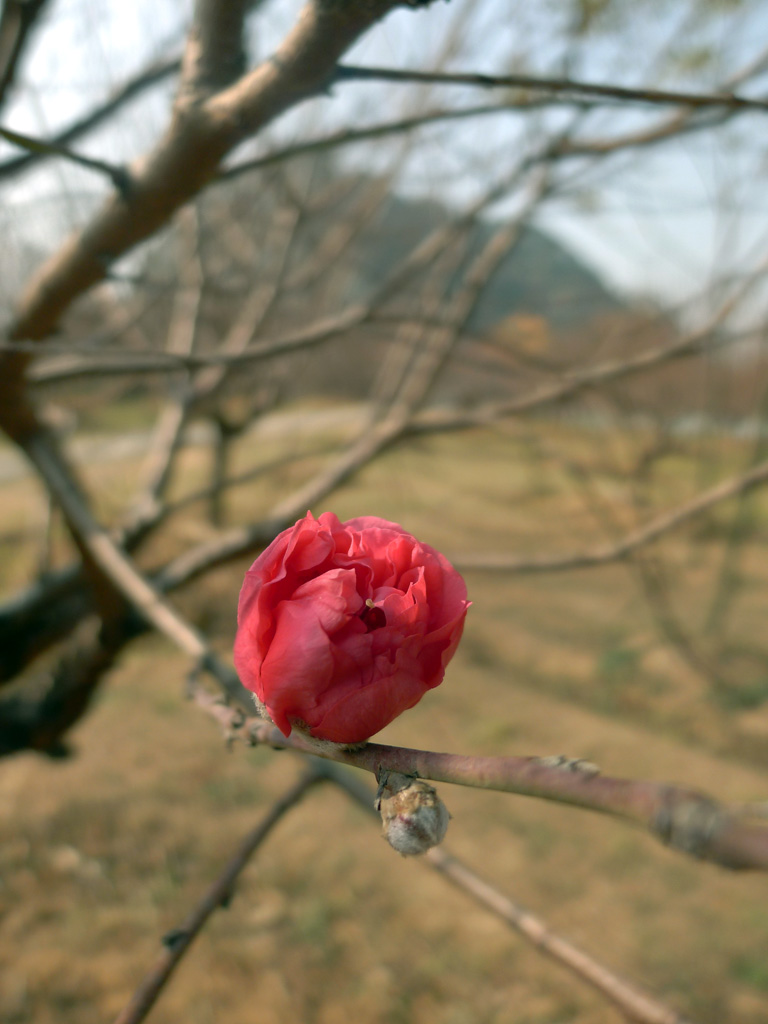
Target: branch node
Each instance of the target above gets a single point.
(192, 682)
(569, 764)
(123, 182)
(689, 824)
(174, 938)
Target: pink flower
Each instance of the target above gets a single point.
(343, 626)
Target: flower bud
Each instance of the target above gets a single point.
(343, 626)
(413, 816)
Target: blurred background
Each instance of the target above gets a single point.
(527, 323)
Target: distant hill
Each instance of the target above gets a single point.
(538, 277)
(538, 286)
(538, 281)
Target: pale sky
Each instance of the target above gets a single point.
(662, 223)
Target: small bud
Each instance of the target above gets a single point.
(413, 816)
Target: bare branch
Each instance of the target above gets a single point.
(117, 572)
(638, 538)
(190, 154)
(132, 88)
(117, 175)
(632, 1002)
(73, 367)
(239, 339)
(38, 716)
(39, 616)
(593, 90)
(215, 53)
(182, 335)
(682, 818)
(680, 123)
(17, 21)
(178, 941)
(352, 136)
(572, 384)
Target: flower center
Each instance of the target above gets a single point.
(372, 616)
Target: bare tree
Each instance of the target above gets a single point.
(275, 241)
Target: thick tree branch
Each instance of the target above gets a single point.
(682, 818)
(215, 52)
(186, 159)
(39, 616)
(37, 716)
(117, 574)
(189, 155)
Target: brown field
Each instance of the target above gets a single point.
(103, 853)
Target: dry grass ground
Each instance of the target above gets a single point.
(104, 853)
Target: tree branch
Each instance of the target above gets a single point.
(71, 366)
(186, 160)
(189, 155)
(652, 531)
(117, 175)
(178, 941)
(593, 90)
(17, 21)
(682, 818)
(118, 575)
(632, 1002)
(37, 716)
(132, 88)
(352, 136)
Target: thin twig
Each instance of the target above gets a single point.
(628, 545)
(130, 89)
(71, 368)
(117, 175)
(64, 362)
(665, 97)
(633, 1003)
(18, 20)
(354, 136)
(178, 941)
(182, 337)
